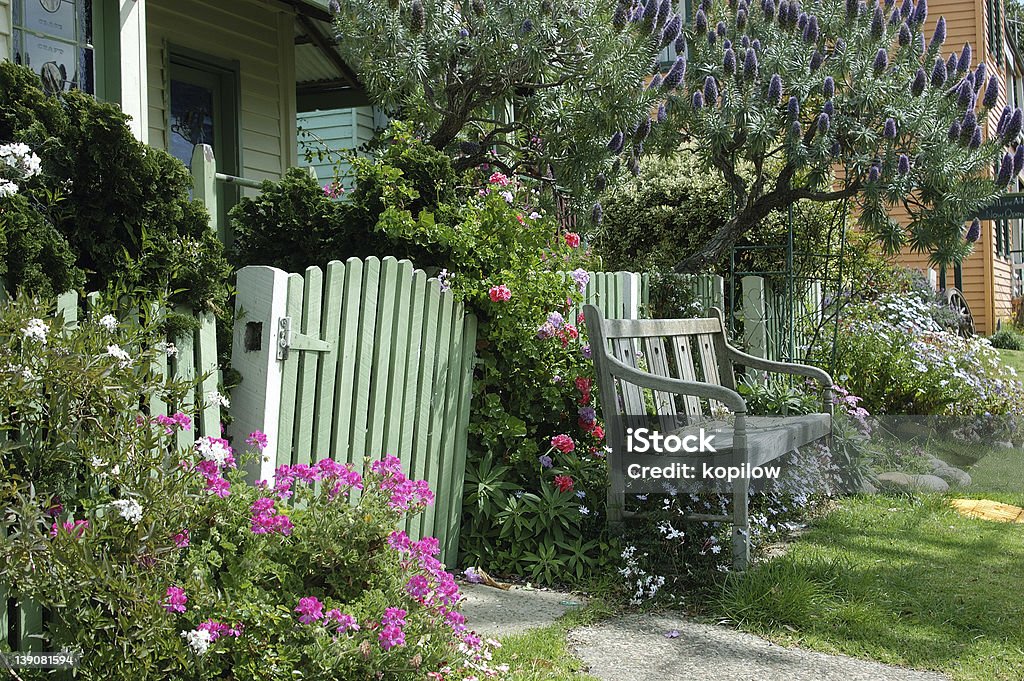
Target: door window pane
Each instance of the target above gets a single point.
(191, 120)
(54, 39)
(51, 17)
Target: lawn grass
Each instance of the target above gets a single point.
(1013, 358)
(901, 580)
(543, 654)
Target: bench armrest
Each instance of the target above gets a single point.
(730, 398)
(752, 362)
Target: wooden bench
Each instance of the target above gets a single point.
(686, 372)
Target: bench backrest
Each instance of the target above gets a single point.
(687, 349)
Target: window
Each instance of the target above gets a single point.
(994, 16)
(54, 39)
(1003, 242)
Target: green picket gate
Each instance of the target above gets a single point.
(360, 360)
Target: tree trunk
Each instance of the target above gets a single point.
(712, 250)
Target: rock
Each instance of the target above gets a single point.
(867, 488)
(953, 476)
(936, 464)
(895, 478)
(929, 483)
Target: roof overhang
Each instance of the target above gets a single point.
(322, 78)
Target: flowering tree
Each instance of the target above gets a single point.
(535, 89)
(840, 101)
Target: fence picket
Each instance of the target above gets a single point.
(346, 362)
(290, 375)
(447, 507)
(364, 356)
(434, 519)
(396, 372)
(376, 417)
(424, 391)
(309, 362)
(185, 370)
(206, 360)
(412, 365)
(334, 289)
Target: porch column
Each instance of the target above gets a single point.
(6, 20)
(134, 84)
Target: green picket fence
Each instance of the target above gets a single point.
(367, 358)
(21, 621)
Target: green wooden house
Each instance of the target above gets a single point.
(234, 74)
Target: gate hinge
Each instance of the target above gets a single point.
(293, 340)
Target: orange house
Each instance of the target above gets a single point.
(990, 277)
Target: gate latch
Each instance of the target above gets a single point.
(289, 340)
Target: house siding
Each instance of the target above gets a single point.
(336, 130)
(6, 21)
(250, 34)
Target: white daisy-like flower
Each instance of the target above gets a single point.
(214, 397)
(117, 353)
(130, 510)
(97, 462)
(108, 322)
(198, 640)
(8, 188)
(36, 329)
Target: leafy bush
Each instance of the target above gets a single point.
(168, 553)
(1006, 339)
(104, 207)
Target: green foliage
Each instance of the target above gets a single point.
(107, 517)
(676, 205)
(105, 207)
(778, 396)
(844, 119)
(1006, 339)
(520, 86)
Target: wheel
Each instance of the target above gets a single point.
(955, 301)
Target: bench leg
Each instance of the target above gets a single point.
(740, 525)
(616, 504)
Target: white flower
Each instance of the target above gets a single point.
(215, 397)
(108, 322)
(36, 329)
(170, 349)
(129, 509)
(20, 157)
(213, 450)
(97, 462)
(116, 470)
(584, 510)
(7, 188)
(117, 353)
(198, 640)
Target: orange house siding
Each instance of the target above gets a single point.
(987, 278)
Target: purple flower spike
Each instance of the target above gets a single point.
(906, 9)
(710, 91)
(750, 65)
(1005, 171)
(783, 13)
(903, 165)
(812, 32)
(655, 82)
(700, 21)
(1018, 160)
(620, 18)
(829, 108)
(642, 130)
(672, 30)
(816, 59)
(918, 84)
(851, 9)
(794, 108)
(921, 12)
(675, 74)
(828, 88)
(954, 131)
(975, 138)
(801, 21)
(720, 29)
(712, 37)
(939, 36)
(698, 100)
(775, 89)
(951, 64)
(756, 44)
(741, 19)
(768, 6)
(596, 214)
(980, 74)
(889, 130)
(881, 62)
(663, 11)
(795, 130)
(680, 44)
(616, 142)
(964, 64)
(823, 123)
(1004, 118)
(729, 62)
(938, 73)
(874, 173)
(991, 92)
(974, 231)
(1013, 127)
(905, 35)
(965, 94)
(967, 125)
(794, 12)
(662, 113)
(877, 23)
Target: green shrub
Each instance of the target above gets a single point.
(137, 545)
(1007, 339)
(105, 207)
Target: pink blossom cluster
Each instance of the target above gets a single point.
(499, 179)
(435, 587)
(218, 629)
(76, 528)
(338, 478)
(182, 539)
(178, 420)
(265, 521)
(391, 633)
(500, 294)
(311, 611)
(175, 600)
(406, 494)
(257, 439)
(216, 454)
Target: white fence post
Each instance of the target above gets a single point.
(755, 336)
(630, 284)
(256, 402)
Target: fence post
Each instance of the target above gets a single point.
(755, 336)
(256, 403)
(204, 186)
(717, 292)
(630, 284)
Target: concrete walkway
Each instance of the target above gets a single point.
(636, 648)
(494, 612)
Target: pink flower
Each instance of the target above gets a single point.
(76, 528)
(262, 505)
(563, 483)
(310, 610)
(572, 239)
(182, 539)
(219, 486)
(257, 439)
(499, 179)
(218, 629)
(176, 599)
(563, 443)
(391, 636)
(500, 293)
(418, 587)
(344, 621)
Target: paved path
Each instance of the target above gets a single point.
(635, 648)
(494, 612)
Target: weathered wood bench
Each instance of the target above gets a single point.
(690, 374)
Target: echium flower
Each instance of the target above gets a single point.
(675, 74)
(991, 92)
(1005, 171)
(620, 18)
(1013, 127)
(965, 94)
(768, 7)
(905, 35)
(874, 173)
(663, 10)
(828, 87)
(596, 213)
(920, 12)
(951, 65)
(526, 27)
(662, 114)
(721, 29)
(741, 19)
(642, 130)
(1018, 160)
(939, 36)
(783, 13)
(903, 165)
(710, 91)
(823, 122)
(801, 21)
(796, 130)
(775, 89)
(895, 18)
(729, 62)
(975, 138)
(974, 231)
(877, 23)
(889, 129)
(938, 73)
(1004, 118)
(816, 59)
(680, 44)
(655, 82)
(918, 84)
(980, 74)
(616, 142)
(672, 30)
(881, 62)
(964, 63)
(967, 124)
(829, 108)
(793, 108)
(700, 21)
(954, 131)
(416, 16)
(811, 31)
(750, 65)
(907, 8)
